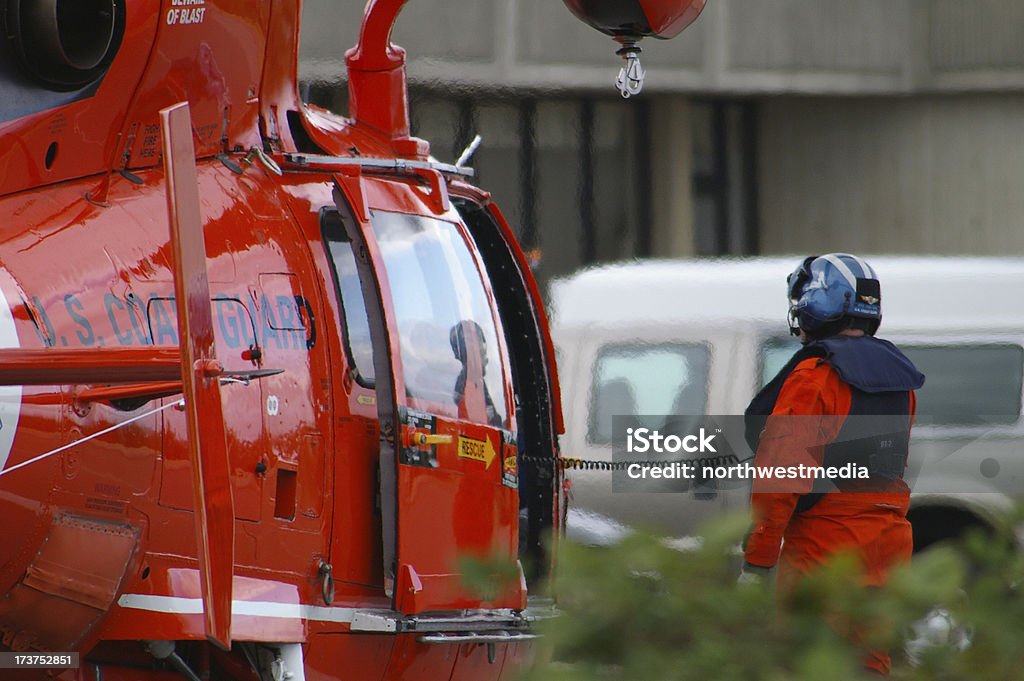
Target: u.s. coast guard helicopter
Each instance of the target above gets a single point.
(267, 373)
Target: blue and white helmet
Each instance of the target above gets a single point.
(825, 289)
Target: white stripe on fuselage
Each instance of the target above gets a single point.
(10, 395)
(177, 605)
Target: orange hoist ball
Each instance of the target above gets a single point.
(637, 18)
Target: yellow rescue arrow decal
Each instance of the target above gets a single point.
(478, 450)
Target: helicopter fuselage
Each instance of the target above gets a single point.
(375, 411)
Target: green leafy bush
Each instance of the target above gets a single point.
(642, 611)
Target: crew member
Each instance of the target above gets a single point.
(469, 345)
(845, 399)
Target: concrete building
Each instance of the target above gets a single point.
(769, 126)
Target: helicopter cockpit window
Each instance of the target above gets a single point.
(357, 326)
(437, 294)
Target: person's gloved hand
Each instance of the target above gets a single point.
(753, 574)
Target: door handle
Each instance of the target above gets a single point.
(426, 439)
(411, 438)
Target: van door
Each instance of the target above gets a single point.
(447, 459)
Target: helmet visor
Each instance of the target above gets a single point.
(795, 284)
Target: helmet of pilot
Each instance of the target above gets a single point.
(833, 292)
(457, 338)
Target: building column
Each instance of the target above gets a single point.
(671, 195)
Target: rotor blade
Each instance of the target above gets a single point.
(157, 389)
(52, 366)
(131, 391)
(213, 504)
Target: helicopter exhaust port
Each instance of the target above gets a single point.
(65, 44)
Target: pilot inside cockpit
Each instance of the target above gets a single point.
(470, 348)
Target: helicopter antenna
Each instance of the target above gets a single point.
(468, 152)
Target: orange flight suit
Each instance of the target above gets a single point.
(872, 523)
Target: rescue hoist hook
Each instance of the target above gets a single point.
(631, 76)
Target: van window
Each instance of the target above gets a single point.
(646, 380)
(968, 384)
(775, 352)
(965, 384)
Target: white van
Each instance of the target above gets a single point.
(702, 336)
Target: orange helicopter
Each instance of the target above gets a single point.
(266, 373)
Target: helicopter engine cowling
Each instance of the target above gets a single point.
(64, 44)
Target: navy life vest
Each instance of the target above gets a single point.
(880, 378)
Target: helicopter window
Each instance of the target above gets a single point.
(358, 345)
(436, 291)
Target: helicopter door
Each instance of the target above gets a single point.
(446, 491)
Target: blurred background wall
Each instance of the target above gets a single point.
(769, 126)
